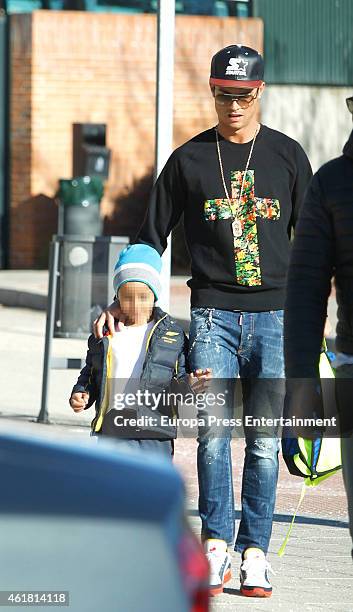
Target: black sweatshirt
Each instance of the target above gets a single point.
(247, 273)
(323, 247)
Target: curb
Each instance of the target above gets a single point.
(23, 299)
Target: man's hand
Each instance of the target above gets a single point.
(107, 317)
(198, 380)
(79, 401)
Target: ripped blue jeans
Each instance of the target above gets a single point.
(248, 345)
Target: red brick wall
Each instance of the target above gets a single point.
(72, 67)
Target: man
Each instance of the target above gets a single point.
(240, 186)
(322, 250)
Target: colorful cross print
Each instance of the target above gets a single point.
(243, 215)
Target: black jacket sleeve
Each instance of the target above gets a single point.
(180, 383)
(302, 180)
(86, 381)
(165, 206)
(309, 284)
(183, 363)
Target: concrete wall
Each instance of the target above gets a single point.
(315, 116)
(72, 67)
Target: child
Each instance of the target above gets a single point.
(145, 357)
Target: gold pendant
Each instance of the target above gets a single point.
(237, 228)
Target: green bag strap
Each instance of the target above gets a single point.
(286, 539)
(308, 482)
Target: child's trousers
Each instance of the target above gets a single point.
(163, 447)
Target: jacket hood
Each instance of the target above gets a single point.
(158, 313)
(348, 147)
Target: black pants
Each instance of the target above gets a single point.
(163, 447)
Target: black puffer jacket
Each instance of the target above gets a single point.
(322, 249)
(164, 368)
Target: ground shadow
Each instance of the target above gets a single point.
(236, 592)
(287, 518)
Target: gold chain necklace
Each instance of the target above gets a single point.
(236, 223)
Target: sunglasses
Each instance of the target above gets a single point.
(243, 100)
(349, 102)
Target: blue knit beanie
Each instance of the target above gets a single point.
(138, 263)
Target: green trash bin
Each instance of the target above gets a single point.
(79, 206)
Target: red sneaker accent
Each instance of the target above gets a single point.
(218, 590)
(255, 592)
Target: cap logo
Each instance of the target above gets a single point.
(236, 67)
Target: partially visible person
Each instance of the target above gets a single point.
(146, 356)
(323, 250)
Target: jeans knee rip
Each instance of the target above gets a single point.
(206, 339)
(264, 445)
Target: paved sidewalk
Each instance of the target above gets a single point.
(23, 297)
(316, 572)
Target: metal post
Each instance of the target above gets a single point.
(49, 329)
(4, 138)
(164, 113)
(61, 229)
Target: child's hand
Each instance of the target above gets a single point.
(198, 379)
(78, 401)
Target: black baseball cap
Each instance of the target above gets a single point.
(238, 66)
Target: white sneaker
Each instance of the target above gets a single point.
(220, 565)
(254, 579)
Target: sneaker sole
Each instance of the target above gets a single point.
(219, 589)
(255, 592)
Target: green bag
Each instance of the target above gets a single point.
(313, 460)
